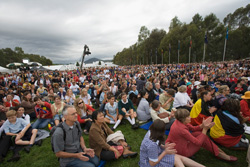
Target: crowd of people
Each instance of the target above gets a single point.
(188, 100)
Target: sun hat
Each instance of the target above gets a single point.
(196, 83)
(246, 95)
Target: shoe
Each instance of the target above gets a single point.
(232, 159)
(130, 155)
(113, 129)
(135, 126)
(27, 149)
(15, 157)
(39, 142)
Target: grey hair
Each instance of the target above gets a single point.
(147, 84)
(65, 109)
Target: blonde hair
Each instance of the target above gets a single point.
(67, 93)
(78, 110)
(222, 88)
(10, 113)
(182, 88)
(83, 90)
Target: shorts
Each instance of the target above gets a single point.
(27, 135)
(58, 117)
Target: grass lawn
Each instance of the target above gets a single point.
(44, 157)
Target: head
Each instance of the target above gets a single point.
(149, 85)
(11, 116)
(170, 92)
(20, 112)
(157, 86)
(182, 89)
(70, 114)
(157, 131)
(38, 100)
(156, 105)
(224, 89)
(206, 96)
(144, 94)
(84, 92)
(111, 98)
(9, 97)
(98, 117)
(183, 116)
(232, 106)
(124, 96)
(57, 99)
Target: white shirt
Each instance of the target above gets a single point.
(181, 99)
(74, 87)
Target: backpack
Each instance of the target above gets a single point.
(60, 125)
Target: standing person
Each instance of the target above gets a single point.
(72, 152)
(127, 110)
(187, 144)
(153, 152)
(29, 105)
(56, 110)
(43, 113)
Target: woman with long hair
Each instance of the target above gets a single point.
(143, 112)
(84, 114)
(153, 151)
(28, 105)
(70, 97)
(56, 109)
(86, 97)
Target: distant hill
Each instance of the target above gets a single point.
(89, 61)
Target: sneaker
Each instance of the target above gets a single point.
(15, 157)
(39, 142)
(113, 129)
(27, 149)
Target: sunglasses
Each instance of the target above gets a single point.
(80, 103)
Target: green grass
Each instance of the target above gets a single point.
(44, 157)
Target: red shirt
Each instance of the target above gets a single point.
(80, 120)
(11, 104)
(244, 109)
(44, 110)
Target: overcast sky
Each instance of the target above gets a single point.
(58, 29)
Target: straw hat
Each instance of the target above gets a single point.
(246, 96)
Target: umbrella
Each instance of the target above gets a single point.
(34, 64)
(14, 64)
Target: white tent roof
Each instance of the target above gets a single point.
(61, 67)
(5, 70)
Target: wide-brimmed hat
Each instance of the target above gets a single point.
(246, 95)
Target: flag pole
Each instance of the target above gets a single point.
(190, 49)
(205, 41)
(225, 45)
(161, 56)
(178, 50)
(169, 52)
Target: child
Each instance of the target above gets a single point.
(22, 130)
(111, 109)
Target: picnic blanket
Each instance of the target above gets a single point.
(147, 125)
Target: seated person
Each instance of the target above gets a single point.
(10, 102)
(103, 98)
(86, 97)
(133, 93)
(42, 91)
(20, 114)
(72, 151)
(157, 112)
(201, 109)
(98, 135)
(84, 114)
(43, 113)
(143, 112)
(112, 114)
(126, 109)
(182, 100)
(153, 151)
(56, 110)
(22, 131)
(245, 105)
(70, 97)
(228, 130)
(167, 99)
(187, 144)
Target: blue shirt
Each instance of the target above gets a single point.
(19, 125)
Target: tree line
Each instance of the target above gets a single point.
(17, 55)
(155, 46)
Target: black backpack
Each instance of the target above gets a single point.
(60, 125)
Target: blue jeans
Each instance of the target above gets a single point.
(76, 92)
(40, 123)
(93, 162)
